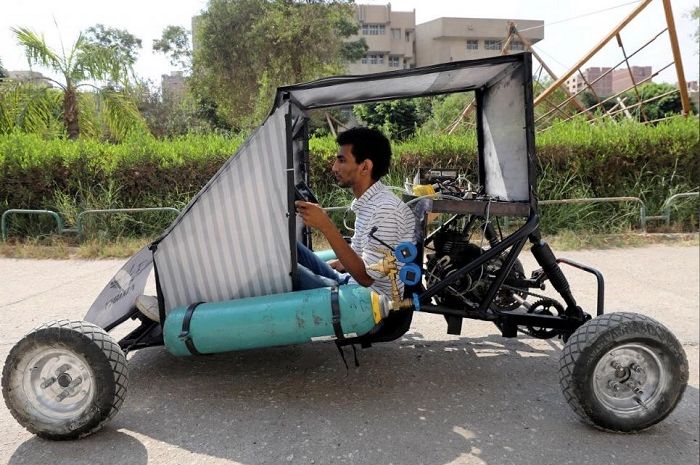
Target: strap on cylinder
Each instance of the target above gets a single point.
(185, 334)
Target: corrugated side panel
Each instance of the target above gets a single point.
(233, 239)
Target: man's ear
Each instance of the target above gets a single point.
(367, 166)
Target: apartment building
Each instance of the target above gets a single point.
(600, 78)
(606, 82)
(390, 36)
(452, 39)
(622, 79)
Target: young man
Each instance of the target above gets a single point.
(363, 158)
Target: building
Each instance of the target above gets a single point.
(622, 79)
(390, 36)
(600, 78)
(173, 86)
(451, 39)
(396, 42)
(28, 76)
(606, 82)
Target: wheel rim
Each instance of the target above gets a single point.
(629, 379)
(57, 383)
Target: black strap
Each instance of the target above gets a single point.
(185, 334)
(338, 329)
(335, 310)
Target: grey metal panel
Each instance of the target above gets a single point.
(396, 86)
(504, 138)
(231, 241)
(117, 298)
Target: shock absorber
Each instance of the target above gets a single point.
(545, 257)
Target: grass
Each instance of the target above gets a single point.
(61, 248)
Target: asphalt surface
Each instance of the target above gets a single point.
(428, 398)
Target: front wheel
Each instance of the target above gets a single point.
(623, 372)
(65, 379)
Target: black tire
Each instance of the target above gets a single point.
(623, 372)
(65, 380)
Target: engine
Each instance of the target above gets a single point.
(452, 251)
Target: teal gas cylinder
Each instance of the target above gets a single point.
(325, 255)
(273, 320)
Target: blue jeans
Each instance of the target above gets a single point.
(314, 272)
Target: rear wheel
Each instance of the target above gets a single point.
(65, 379)
(623, 372)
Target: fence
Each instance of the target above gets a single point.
(643, 218)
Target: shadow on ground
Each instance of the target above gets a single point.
(107, 447)
(483, 400)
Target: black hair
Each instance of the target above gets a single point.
(368, 143)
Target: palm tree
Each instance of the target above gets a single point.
(85, 62)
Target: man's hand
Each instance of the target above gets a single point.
(314, 216)
(336, 265)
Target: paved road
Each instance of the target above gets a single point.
(429, 398)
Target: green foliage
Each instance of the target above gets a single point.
(168, 117)
(175, 44)
(248, 48)
(445, 110)
(101, 55)
(663, 107)
(398, 119)
(31, 108)
(574, 159)
(124, 45)
(695, 14)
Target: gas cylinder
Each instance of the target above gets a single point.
(272, 320)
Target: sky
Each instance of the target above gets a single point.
(572, 27)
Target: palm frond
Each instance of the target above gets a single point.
(120, 114)
(38, 52)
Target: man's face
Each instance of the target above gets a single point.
(345, 169)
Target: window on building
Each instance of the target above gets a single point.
(394, 61)
(364, 60)
(408, 35)
(373, 29)
(395, 33)
(381, 59)
(516, 45)
(492, 44)
(376, 59)
(472, 44)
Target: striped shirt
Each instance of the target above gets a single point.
(395, 221)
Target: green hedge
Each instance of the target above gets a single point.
(575, 159)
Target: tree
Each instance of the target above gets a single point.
(175, 44)
(3, 71)
(125, 45)
(398, 119)
(88, 60)
(247, 48)
(663, 107)
(695, 14)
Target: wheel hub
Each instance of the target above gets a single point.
(58, 383)
(629, 378)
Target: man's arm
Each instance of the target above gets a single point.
(315, 217)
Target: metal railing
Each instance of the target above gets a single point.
(20, 211)
(79, 223)
(79, 220)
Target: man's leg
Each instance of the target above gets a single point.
(310, 260)
(306, 279)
